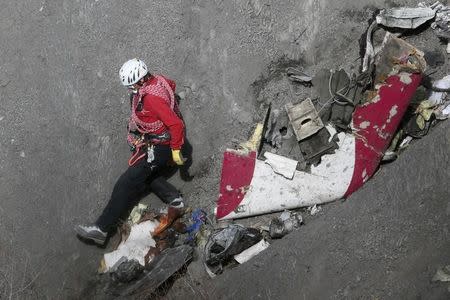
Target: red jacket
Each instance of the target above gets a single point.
(155, 108)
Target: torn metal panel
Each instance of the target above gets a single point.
(281, 165)
(375, 123)
(304, 119)
(405, 17)
(254, 250)
(259, 190)
(267, 191)
(232, 188)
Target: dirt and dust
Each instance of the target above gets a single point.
(385, 242)
(63, 143)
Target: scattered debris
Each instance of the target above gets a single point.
(343, 93)
(441, 24)
(253, 143)
(160, 270)
(137, 212)
(370, 51)
(284, 224)
(198, 218)
(440, 98)
(442, 274)
(405, 142)
(224, 243)
(166, 220)
(126, 271)
(135, 247)
(254, 250)
(297, 75)
(316, 146)
(304, 119)
(143, 237)
(337, 165)
(314, 210)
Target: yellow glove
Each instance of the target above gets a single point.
(178, 157)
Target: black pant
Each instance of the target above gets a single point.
(135, 183)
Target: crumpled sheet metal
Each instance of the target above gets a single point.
(370, 54)
(338, 175)
(370, 51)
(399, 69)
(304, 119)
(135, 246)
(260, 190)
(441, 24)
(284, 224)
(375, 123)
(405, 17)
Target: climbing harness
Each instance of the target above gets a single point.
(145, 144)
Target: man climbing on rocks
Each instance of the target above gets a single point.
(155, 135)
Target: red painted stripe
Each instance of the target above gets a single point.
(373, 140)
(237, 174)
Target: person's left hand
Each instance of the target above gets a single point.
(178, 157)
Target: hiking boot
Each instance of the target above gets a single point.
(92, 233)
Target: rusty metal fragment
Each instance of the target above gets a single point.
(304, 119)
(397, 56)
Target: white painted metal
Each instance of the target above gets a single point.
(251, 252)
(270, 192)
(281, 165)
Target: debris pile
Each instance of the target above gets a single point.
(225, 243)
(323, 148)
(284, 224)
(151, 249)
(304, 153)
(442, 275)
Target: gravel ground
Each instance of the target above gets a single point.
(63, 116)
(386, 241)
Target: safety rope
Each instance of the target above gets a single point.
(160, 89)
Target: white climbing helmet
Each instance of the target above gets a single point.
(132, 71)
